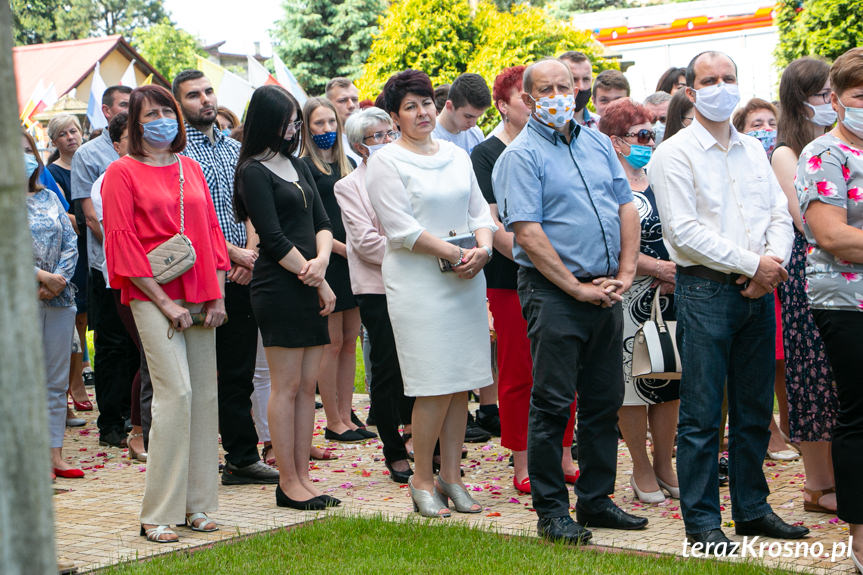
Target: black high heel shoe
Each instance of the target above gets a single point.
(313, 504)
(398, 476)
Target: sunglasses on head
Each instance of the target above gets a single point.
(642, 136)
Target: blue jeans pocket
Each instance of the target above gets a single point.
(695, 288)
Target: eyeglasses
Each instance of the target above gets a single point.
(381, 136)
(295, 126)
(680, 84)
(823, 95)
(642, 136)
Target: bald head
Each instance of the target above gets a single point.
(546, 68)
(705, 63)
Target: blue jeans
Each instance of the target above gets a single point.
(723, 336)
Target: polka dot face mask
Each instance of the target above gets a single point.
(556, 111)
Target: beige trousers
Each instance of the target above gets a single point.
(183, 460)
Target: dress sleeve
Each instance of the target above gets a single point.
(220, 248)
(261, 206)
(69, 247)
(392, 205)
(124, 254)
(319, 213)
(822, 175)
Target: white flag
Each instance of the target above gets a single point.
(129, 78)
(287, 79)
(94, 104)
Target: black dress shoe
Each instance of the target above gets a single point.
(356, 420)
(313, 504)
(113, 438)
(329, 500)
(612, 516)
(473, 433)
(399, 476)
(349, 436)
(710, 542)
(256, 473)
(770, 525)
(562, 529)
(723, 471)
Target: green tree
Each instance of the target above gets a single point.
(564, 9)
(39, 21)
(827, 28)
(167, 48)
(321, 39)
(440, 38)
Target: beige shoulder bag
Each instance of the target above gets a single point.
(174, 257)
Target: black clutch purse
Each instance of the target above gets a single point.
(465, 241)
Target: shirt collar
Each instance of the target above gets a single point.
(706, 140)
(198, 136)
(549, 133)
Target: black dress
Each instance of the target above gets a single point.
(63, 177)
(286, 215)
(338, 275)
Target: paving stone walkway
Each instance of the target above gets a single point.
(97, 517)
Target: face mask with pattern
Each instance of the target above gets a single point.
(554, 111)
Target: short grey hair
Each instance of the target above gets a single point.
(657, 98)
(62, 122)
(359, 122)
(527, 78)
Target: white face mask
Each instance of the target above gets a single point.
(824, 114)
(717, 102)
(374, 148)
(853, 119)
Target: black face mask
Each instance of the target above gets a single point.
(581, 99)
(285, 148)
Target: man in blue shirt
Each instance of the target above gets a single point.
(236, 340)
(563, 193)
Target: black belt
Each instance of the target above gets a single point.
(705, 272)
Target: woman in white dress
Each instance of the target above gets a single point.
(422, 190)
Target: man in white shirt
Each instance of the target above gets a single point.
(468, 99)
(725, 221)
(345, 98)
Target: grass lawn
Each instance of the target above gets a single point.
(353, 545)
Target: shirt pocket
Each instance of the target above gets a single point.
(756, 193)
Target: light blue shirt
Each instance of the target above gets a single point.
(89, 162)
(466, 139)
(573, 190)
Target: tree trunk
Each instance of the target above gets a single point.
(26, 507)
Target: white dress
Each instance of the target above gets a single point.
(439, 321)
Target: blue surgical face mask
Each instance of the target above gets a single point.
(639, 155)
(226, 132)
(325, 141)
(659, 130)
(853, 119)
(160, 133)
(766, 137)
(31, 164)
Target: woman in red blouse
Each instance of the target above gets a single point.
(141, 203)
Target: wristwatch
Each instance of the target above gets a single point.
(489, 251)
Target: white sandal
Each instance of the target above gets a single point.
(192, 522)
(154, 534)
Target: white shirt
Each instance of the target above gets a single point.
(466, 139)
(720, 208)
(95, 249)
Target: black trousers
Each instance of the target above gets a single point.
(841, 331)
(386, 393)
(236, 349)
(577, 349)
(115, 355)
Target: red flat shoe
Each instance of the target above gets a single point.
(85, 405)
(571, 479)
(69, 473)
(523, 486)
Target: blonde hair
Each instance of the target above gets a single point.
(311, 150)
(61, 122)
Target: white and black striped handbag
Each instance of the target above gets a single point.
(654, 350)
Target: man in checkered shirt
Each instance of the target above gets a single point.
(236, 340)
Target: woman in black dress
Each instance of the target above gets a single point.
(324, 154)
(290, 297)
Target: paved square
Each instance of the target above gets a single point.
(97, 517)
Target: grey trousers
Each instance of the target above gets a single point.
(57, 327)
